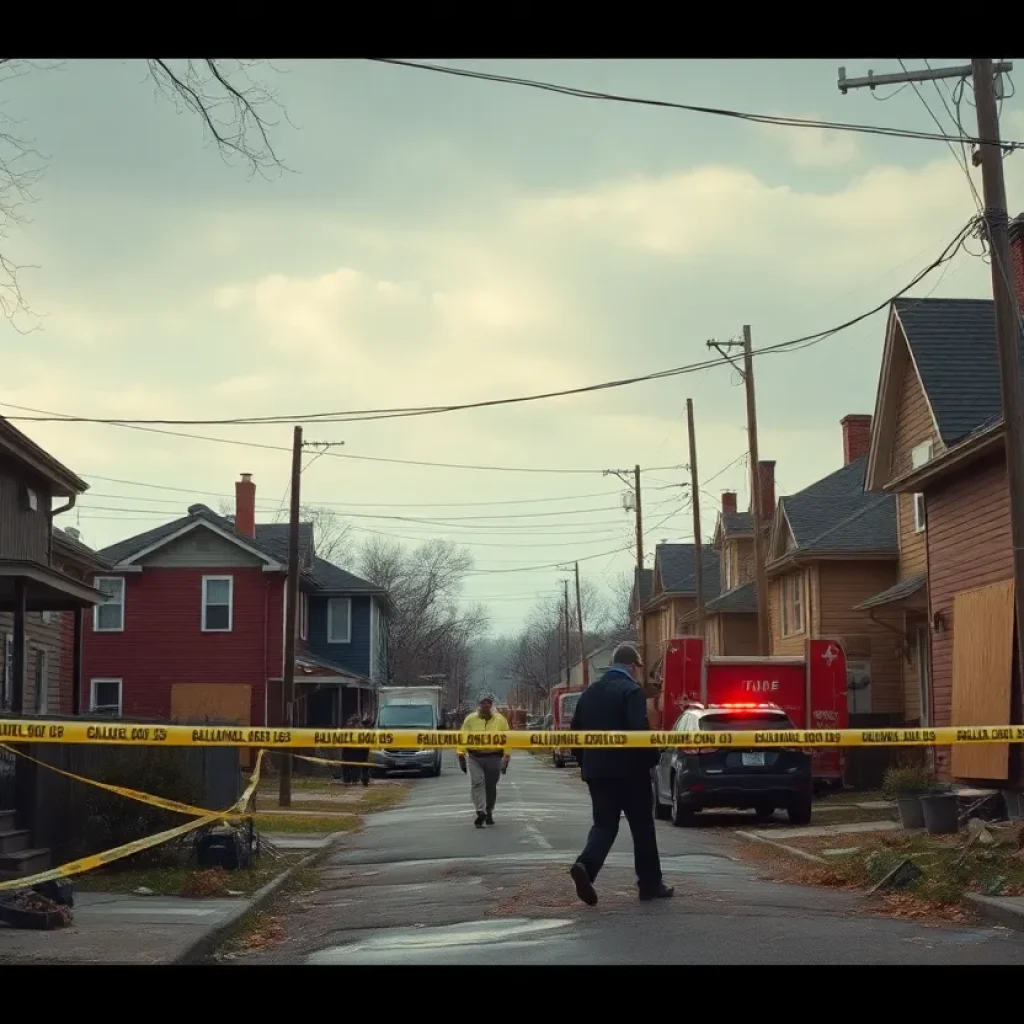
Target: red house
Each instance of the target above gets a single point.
(192, 625)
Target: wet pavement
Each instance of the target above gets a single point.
(421, 885)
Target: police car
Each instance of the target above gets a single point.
(688, 780)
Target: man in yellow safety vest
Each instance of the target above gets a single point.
(486, 763)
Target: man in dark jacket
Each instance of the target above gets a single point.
(619, 780)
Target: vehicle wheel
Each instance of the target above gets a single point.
(682, 816)
(437, 769)
(764, 812)
(800, 811)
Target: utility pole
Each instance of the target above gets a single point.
(698, 554)
(284, 798)
(565, 608)
(988, 152)
(644, 677)
(579, 623)
(760, 576)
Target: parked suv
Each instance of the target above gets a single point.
(762, 779)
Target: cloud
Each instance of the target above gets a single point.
(816, 148)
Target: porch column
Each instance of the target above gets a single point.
(76, 663)
(18, 665)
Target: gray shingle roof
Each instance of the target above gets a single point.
(271, 539)
(953, 342)
(736, 601)
(902, 590)
(738, 524)
(836, 514)
(677, 564)
(76, 546)
(646, 584)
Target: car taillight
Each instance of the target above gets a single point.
(697, 750)
(809, 751)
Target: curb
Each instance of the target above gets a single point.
(752, 837)
(996, 911)
(199, 949)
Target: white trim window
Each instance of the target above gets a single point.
(41, 682)
(728, 553)
(792, 589)
(918, 457)
(218, 604)
(339, 620)
(108, 615)
(302, 623)
(105, 697)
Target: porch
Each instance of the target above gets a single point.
(327, 696)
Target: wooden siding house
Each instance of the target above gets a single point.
(833, 547)
(938, 445)
(731, 616)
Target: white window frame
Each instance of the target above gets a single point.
(303, 617)
(331, 639)
(205, 604)
(41, 680)
(728, 568)
(793, 604)
(919, 456)
(120, 693)
(106, 604)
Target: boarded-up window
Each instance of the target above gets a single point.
(982, 674)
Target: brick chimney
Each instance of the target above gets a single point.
(245, 506)
(728, 503)
(766, 479)
(856, 436)
(1017, 256)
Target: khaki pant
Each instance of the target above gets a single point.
(484, 772)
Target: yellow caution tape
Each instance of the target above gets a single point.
(42, 731)
(96, 860)
(327, 760)
(131, 794)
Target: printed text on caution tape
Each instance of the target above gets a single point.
(36, 731)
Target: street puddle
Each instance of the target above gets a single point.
(419, 939)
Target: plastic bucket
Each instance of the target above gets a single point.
(941, 813)
(911, 811)
(1014, 805)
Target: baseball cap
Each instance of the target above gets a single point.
(627, 654)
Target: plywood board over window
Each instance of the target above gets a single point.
(227, 703)
(982, 675)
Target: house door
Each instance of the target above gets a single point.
(924, 675)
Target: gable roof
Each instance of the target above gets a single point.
(271, 543)
(24, 450)
(836, 515)
(677, 566)
(74, 549)
(741, 599)
(733, 524)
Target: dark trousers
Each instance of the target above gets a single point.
(354, 772)
(612, 798)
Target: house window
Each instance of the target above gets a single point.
(728, 568)
(918, 457)
(339, 620)
(302, 621)
(218, 592)
(792, 604)
(41, 682)
(105, 697)
(108, 615)
(31, 500)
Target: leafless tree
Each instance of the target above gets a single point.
(620, 597)
(429, 632)
(232, 105)
(331, 534)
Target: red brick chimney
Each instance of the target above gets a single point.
(245, 506)
(1017, 256)
(766, 478)
(856, 436)
(728, 503)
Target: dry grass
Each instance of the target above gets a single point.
(188, 882)
(300, 823)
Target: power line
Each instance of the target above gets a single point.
(771, 119)
(366, 415)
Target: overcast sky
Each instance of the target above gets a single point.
(446, 240)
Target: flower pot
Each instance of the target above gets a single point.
(941, 813)
(1014, 805)
(911, 813)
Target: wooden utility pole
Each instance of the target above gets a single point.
(579, 624)
(698, 553)
(760, 576)
(989, 153)
(638, 506)
(291, 604)
(568, 656)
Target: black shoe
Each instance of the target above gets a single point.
(480, 819)
(489, 818)
(661, 893)
(584, 886)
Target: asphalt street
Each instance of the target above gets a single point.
(421, 885)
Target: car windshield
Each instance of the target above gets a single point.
(745, 721)
(406, 716)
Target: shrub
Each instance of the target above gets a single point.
(908, 780)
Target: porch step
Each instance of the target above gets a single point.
(15, 840)
(6, 821)
(23, 863)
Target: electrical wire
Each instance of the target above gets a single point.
(365, 415)
(771, 119)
